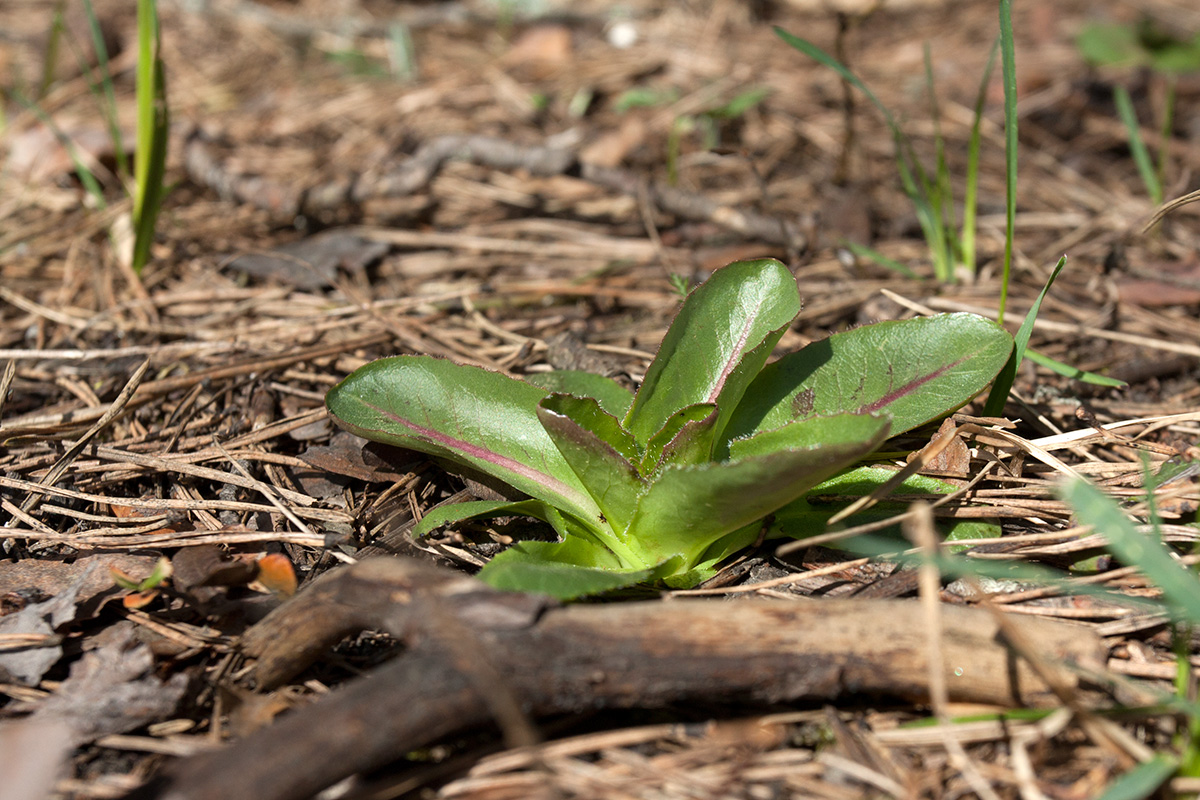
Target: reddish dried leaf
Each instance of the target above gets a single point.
(275, 573)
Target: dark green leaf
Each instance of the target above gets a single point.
(916, 370)
(721, 337)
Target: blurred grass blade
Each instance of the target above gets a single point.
(1180, 586)
(1137, 147)
(53, 42)
(863, 251)
(1008, 69)
(86, 176)
(1164, 132)
(994, 406)
(971, 193)
(152, 128)
(941, 196)
(916, 183)
(817, 54)
(1143, 780)
(104, 89)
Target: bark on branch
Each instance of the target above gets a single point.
(470, 647)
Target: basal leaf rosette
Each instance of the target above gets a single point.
(664, 484)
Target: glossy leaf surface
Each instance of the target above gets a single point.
(480, 419)
(915, 370)
(687, 508)
(717, 343)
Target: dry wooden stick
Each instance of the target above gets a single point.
(558, 660)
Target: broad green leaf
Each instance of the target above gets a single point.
(689, 507)
(612, 396)
(916, 370)
(566, 570)
(863, 480)
(686, 438)
(584, 435)
(479, 419)
(961, 530)
(721, 337)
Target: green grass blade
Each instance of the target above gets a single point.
(915, 182)
(1058, 367)
(994, 406)
(1164, 131)
(1008, 59)
(1137, 147)
(53, 41)
(147, 37)
(1180, 586)
(152, 132)
(1143, 780)
(817, 54)
(863, 251)
(940, 193)
(970, 197)
(86, 176)
(104, 90)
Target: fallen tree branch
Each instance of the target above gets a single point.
(556, 660)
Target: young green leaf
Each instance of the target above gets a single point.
(686, 438)
(916, 370)
(479, 419)
(687, 508)
(612, 396)
(587, 413)
(566, 570)
(599, 450)
(721, 337)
